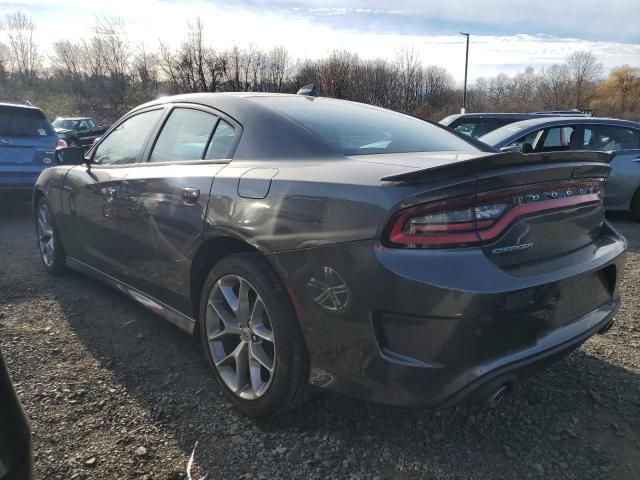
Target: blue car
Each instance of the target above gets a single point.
(27, 146)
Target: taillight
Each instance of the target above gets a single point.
(61, 144)
(483, 217)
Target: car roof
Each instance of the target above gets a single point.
(515, 115)
(283, 137)
(19, 105)
(544, 121)
(237, 105)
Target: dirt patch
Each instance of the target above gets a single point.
(115, 392)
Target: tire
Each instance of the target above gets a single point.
(48, 240)
(228, 331)
(73, 142)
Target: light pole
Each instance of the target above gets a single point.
(466, 64)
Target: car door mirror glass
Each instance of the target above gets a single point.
(70, 156)
(514, 147)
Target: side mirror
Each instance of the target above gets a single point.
(514, 147)
(71, 156)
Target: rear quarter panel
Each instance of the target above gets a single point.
(311, 203)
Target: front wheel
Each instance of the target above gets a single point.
(251, 337)
(51, 251)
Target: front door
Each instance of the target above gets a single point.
(92, 195)
(168, 196)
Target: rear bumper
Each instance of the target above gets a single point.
(14, 181)
(417, 328)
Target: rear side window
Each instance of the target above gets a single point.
(24, 122)
(607, 138)
(357, 129)
(184, 136)
(125, 144)
(221, 142)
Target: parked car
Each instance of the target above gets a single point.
(79, 131)
(15, 435)
(315, 241)
(27, 144)
(478, 124)
(580, 134)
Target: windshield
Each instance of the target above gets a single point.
(23, 122)
(499, 135)
(61, 123)
(357, 129)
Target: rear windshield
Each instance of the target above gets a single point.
(68, 124)
(357, 129)
(501, 134)
(23, 122)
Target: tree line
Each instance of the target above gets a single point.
(106, 75)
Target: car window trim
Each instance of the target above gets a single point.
(203, 108)
(514, 137)
(92, 152)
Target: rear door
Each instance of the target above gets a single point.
(624, 180)
(167, 196)
(93, 196)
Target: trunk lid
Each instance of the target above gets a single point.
(520, 209)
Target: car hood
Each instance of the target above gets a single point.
(63, 130)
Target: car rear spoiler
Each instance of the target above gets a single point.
(506, 160)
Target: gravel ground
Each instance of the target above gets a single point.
(115, 392)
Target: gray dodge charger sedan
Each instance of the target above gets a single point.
(314, 243)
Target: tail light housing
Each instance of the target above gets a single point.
(483, 217)
(61, 143)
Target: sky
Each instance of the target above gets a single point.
(506, 36)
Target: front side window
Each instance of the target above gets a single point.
(556, 138)
(608, 138)
(184, 136)
(125, 144)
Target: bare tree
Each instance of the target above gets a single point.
(585, 72)
(26, 60)
(554, 87)
(5, 60)
(277, 67)
(408, 66)
(145, 67)
(69, 63)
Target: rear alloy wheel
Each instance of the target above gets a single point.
(51, 251)
(251, 337)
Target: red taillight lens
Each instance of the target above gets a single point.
(483, 217)
(61, 144)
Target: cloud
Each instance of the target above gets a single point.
(310, 29)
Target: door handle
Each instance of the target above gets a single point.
(190, 195)
(112, 193)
